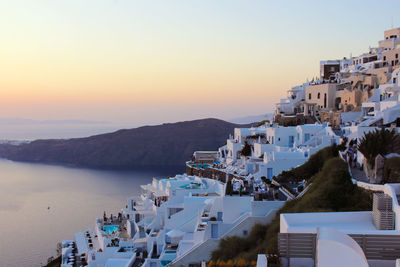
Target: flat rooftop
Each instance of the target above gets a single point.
(360, 222)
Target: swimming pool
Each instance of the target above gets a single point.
(110, 229)
(200, 166)
(192, 185)
(167, 257)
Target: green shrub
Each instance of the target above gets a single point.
(312, 166)
(261, 123)
(256, 136)
(379, 142)
(246, 150)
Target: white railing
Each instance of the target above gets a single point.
(304, 191)
(237, 224)
(205, 243)
(239, 221)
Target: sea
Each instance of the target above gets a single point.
(40, 205)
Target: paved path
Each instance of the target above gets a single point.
(137, 263)
(358, 174)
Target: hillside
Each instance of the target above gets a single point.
(169, 144)
(331, 190)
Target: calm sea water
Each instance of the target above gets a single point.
(29, 231)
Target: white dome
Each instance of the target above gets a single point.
(336, 248)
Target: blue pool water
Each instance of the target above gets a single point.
(110, 228)
(200, 166)
(169, 256)
(191, 186)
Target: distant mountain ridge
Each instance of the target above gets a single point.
(169, 144)
(253, 118)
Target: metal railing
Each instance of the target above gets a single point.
(375, 247)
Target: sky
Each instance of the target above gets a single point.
(147, 62)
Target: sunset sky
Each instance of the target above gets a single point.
(146, 62)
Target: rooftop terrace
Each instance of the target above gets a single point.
(348, 222)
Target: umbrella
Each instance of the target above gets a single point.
(175, 233)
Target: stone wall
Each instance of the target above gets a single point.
(333, 118)
(211, 173)
(298, 119)
(375, 174)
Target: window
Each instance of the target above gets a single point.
(309, 96)
(269, 173)
(319, 95)
(137, 217)
(306, 137)
(291, 140)
(384, 57)
(245, 232)
(214, 230)
(397, 55)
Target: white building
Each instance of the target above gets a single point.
(294, 102)
(385, 97)
(381, 110)
(367, 238)
(175, 222)
(274, 148)
(234, 144)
